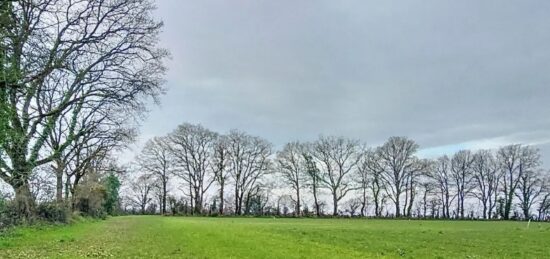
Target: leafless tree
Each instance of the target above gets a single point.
(485, 179)
(441, 174)
(397, 155)
(61, 55)
(220, 166)
(337, 157)
(249, 162)
(353, 204)
(530, 187)
(514, 161)
(192, 146)
(461, 173)
(417, 169)
(313, 179)
(155, 158)
(141, 189)
(291, 166)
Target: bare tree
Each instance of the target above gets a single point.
(313, 180)
(338, 158)
(192, 146)
(530, 187)
(155, 159)
(141, 189)
(461, 173)
(441, 174)
(396, 155)
(61, 55)
(291, 167)
(485, 180)
(219, 164)
(249, 162)
(514, 161)
(417, 169)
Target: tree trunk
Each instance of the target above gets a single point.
(317, 209)
(221, 198)
(24, 201)
(298, 212)
(59, 169)
(397, 207)
(335, 204)
(163, 212)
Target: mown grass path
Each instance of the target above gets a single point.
(187, 237)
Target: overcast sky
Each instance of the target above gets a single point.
(448, 74)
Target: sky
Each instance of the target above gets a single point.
(448, 74)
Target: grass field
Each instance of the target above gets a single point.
(184, 237)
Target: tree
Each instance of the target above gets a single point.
(375, 181)
(461, 173)
(485, 180)
(220, 163)
(313, 180)
(441, 174)
(514, 161)
(530, 187)
(417, 168)
(65, 55)
(397, 155)
(290, 166)
(140, 191)
(249, 162)
(192, 147)
(338, 158)
(155, 159)
(112, 186)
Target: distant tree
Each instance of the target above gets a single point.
(112, 186)
(141, 191)
(220, 165)
(192, 146)
(155, 159)
(514, 161)
(396, 156)
(313, 180)
(249, 162)
(291, 167)
(530, 187)
(461, 173)
(441, 174)
(337, 157)
(485, 180)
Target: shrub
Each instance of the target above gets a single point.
(53, 212)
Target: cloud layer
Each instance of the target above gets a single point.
(446, 73)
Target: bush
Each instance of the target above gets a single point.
(53, 212)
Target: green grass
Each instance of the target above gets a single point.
(184, 237)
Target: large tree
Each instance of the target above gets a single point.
(441, 175)
(337, 157)
(62, 55)
(248, 163)
(192, 146)
(514, 161)
(155, 158)
(485, 180)
(461, 173)
(291, 167)
(220, 164)
(397, 157)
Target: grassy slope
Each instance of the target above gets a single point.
(172, 237)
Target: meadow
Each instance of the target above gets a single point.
(201, 237)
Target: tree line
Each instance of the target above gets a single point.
(74, 80)
(240, 174)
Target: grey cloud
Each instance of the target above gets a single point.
(441, 72)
